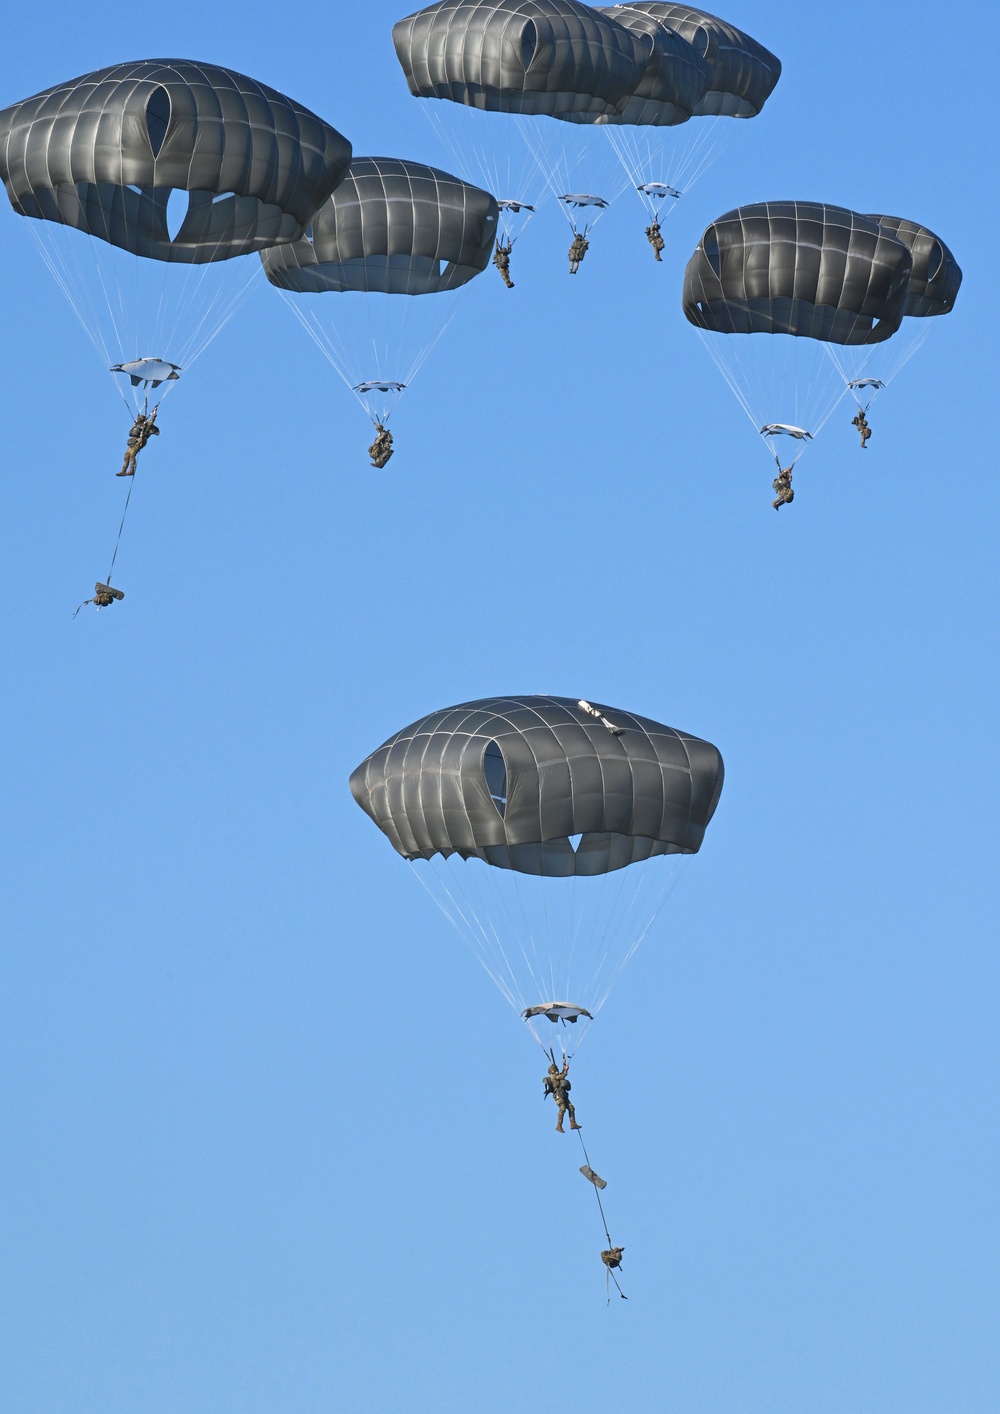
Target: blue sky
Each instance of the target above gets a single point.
(273, 1145)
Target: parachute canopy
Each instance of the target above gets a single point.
(391, 227)
(514, 781)
(553, 57)
(798, 267)
(675, 78)
(742, 73)
(935, 277)
(148, 372)
(103, 153)
(785, 429)
(556, 1012)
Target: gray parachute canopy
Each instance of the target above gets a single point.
(103, 153)
(673, 83)
(743, 73)
(520, 56)
(391, 227)
(513, 780)
(798, 267)
(936, 274)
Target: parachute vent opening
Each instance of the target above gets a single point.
(223, 196)
(495, 771)
(309, 234)
(177, 210)
(529, 43)
(157, 118)
(575, 842)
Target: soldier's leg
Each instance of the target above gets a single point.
(559, 1117)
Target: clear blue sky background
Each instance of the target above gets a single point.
(272, 1144)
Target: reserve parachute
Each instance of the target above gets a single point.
(546, 829)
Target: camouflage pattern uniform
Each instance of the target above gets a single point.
(142, 429)
(577, 251)
(782, 483)
(557, 1085)
(501, 259)
(655, 239)
(613, 1256)
(381, 449)
(861, 423)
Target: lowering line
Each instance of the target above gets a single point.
(588, 1173)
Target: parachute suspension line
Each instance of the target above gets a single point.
(651, 911)
(60, 272)
(121, 527)
(650, 153)
(902, 349)
(490, 140)
(729, 376)
(604, 1221)
(524, 932)
(456, 913)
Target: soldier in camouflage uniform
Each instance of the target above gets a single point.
(577, 251)
(381, 449)
(655, 238)
(557, 1085)
(782, 483)
(861, 423)
(613, 1256)
(501, 259)
(142, 429)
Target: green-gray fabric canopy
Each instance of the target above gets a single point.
(104, 152)
(514, 780)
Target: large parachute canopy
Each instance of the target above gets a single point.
(139, 176)
(525, 807)
(742, 72)
(814, 279)
(535, 57)
(698, 66)
(392, 229)
(935, 276)
(675, 78)
(933, 287)
(504, 69)
(104, 153)
(798, 267)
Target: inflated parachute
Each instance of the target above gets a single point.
(504, 68)
(698, 67)
(533, 57)
(392, 229)
(177, 163)
(742, 72)
(675, 77)
(104, 153)
(803, 274)
(144, 182)
(546, 824)
(935, 278)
